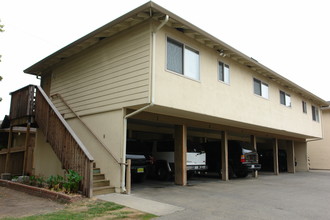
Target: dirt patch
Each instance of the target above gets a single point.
(14, 203)
(18, 204)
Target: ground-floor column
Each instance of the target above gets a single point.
(180, 155)
(224, 155)
(254, 145)
(27, 139)
(10, 143)
(275, 156)
(290, 155)
(300, 149)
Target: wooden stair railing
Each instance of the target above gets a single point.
(67, 146)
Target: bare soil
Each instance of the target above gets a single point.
(19, 204)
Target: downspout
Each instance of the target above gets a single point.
(151, 103)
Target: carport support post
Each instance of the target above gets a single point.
(290, 156)
(275, 156)
(254, 145)
(224, 155)
(180, 155)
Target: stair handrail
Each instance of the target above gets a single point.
(66, 125)
(87, 127)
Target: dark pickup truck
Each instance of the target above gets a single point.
(139, 167)
(242, 158)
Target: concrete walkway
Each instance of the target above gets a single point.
(145, 205)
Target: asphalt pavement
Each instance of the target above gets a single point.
(303, 195)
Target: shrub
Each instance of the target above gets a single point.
(72, 183)
(55, 182)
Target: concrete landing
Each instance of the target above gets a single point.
(145, 205)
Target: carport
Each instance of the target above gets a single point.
(181, 128)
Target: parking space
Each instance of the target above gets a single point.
(305, 195)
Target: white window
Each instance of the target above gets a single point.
(285, 99)
(182, 59)
(315, 114)
(304, 106)
(224, 73)
(260, 88)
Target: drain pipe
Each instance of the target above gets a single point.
(152, 99)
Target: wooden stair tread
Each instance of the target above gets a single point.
(100, 184)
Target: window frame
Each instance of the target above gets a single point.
(286, 96)
(315, 113)
(184, 56)
(225, 78)
(304, 107)
(261, 84)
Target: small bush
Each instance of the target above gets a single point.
(72, 183)
(55, 182)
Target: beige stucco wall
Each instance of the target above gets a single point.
(319, 151)
(300, 151)
(236, 101)
(45, 161)
(109, 129)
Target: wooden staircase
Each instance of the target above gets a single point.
(100, 184)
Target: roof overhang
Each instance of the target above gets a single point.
(153, 11)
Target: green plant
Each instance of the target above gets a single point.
(40, 181)
(36, 181)
(55, 182)
(33, 181)
(72, 183)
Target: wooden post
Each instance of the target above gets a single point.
(180, 155)
(224, 156)
(27, 140)
(90, 174)
(254, 145)
(128, 177)
(275, 156)
(10, 142)
(290, 156)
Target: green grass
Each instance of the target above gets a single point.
(90, 210)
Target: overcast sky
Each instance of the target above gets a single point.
(291, 37)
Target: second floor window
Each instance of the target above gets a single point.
(182, 59)
(315, 114)
(285, 99)
(304, 106)
(260, 88)
(224, 74)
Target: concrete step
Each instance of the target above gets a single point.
(96, 170)
(103, 190)
(98, 183)
(98, 176)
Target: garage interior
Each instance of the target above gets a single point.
(276, 154)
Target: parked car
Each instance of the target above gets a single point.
(242, 158)
(164, 168)
(140, 159)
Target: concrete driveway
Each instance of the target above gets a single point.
(304, 195)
